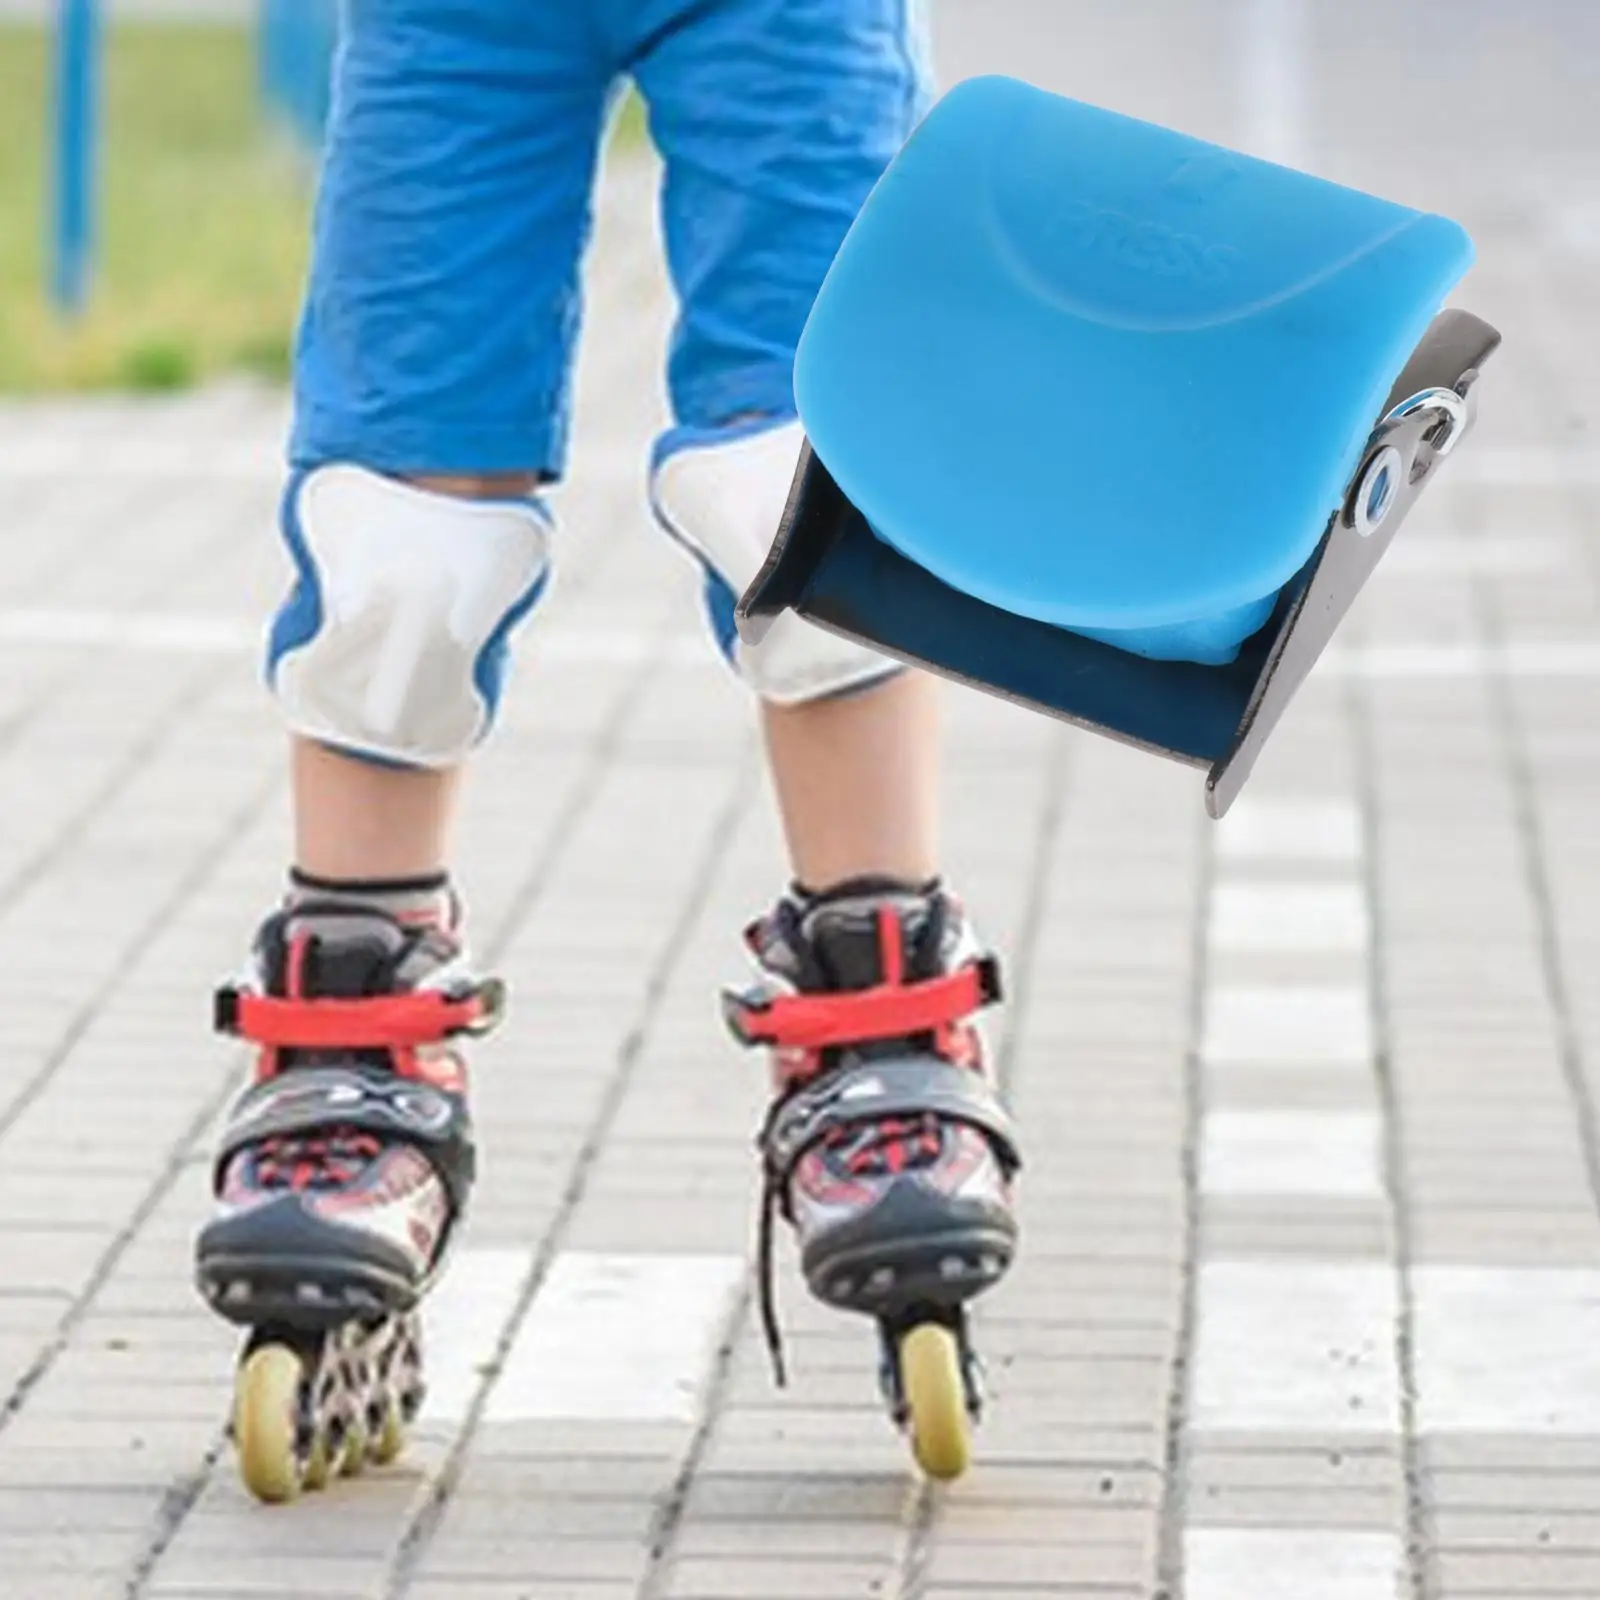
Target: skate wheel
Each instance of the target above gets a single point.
(390, 1439)
(353, 1455)
(317, 1467)
(266, 1423)
(936, 1400)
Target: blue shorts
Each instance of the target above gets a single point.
(454, 208)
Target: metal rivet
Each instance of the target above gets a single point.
(1376, 493)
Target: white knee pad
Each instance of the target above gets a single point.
(721, 495)
(393, 644)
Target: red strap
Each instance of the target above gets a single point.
(850, 1016)
(380, 1023)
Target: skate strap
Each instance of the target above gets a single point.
(381, 1022)
(873, 1091)
(855, 1016)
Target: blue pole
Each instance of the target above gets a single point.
(77, 150)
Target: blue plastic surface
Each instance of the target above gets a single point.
(1105, 375)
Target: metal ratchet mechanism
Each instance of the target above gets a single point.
(1403, 450)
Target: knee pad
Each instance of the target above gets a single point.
(720, 493)
(393, 643)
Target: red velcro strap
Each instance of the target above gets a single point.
(850, 1016)
(381, 1023)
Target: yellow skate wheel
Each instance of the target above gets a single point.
(317, 1468)
(353, 1455)
(391, 1439)
(266, 1411)
(936, 1398)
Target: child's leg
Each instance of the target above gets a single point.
(886, 1147)
(880, 747)
(430, 398)
(776, 117)
(358, 820)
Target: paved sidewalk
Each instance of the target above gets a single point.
(1310, 1305)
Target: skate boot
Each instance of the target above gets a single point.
(342, 1175)
(886, 1147)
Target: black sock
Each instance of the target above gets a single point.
(867, 885)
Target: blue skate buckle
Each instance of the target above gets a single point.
(1113, 422)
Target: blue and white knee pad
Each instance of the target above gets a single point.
(393, 643)
(720, 493)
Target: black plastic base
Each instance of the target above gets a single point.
(276, 1265)
(914, 1248)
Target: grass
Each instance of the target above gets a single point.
(203, 223)
(203, 219)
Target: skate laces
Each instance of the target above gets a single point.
(303, 1163)
(815, 1035)
(302, 1028)
(885, 1148)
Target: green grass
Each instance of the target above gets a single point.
(203, 222)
